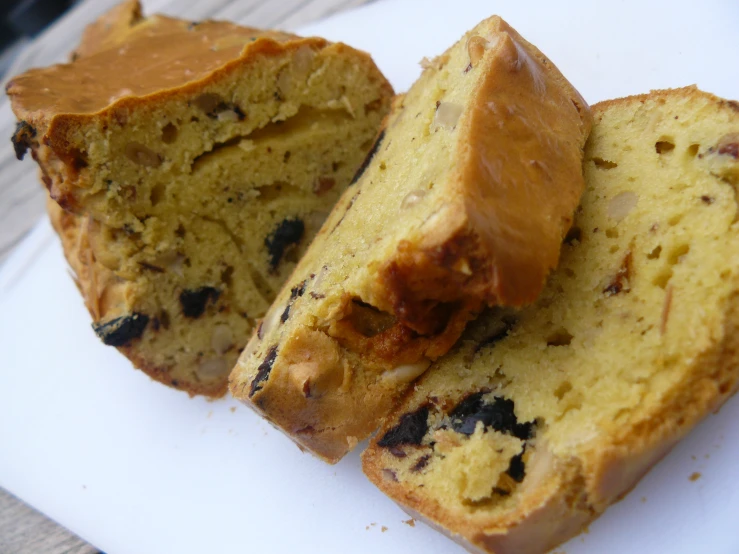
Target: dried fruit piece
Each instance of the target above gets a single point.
(263, 371)
(499, 415)
(193, 302)
(729, 145)
(295, 292)
(288, 233)
(121, 330)
(411, 429)
(323, 184)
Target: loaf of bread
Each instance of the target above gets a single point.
(541, 418)
(463, 202)
(194, 162)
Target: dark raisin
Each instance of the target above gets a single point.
(287, 233)
(22, 139)
(368, 158)
(517, 468)
(121, 330)
(193, 25)
(194, 301)
(263, 371)
(421, 463)
(411, 429)
(296, 291)
(499, 415)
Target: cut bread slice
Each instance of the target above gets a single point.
(541, 418)
(463, 202)
(195, 161)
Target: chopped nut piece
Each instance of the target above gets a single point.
(222, 339)
(621, 205)
(412, 198)
(213, 369)
(406, 373)
(476, 46)
(447, 115)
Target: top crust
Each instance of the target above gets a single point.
(470, 188)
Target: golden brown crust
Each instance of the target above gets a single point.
(109, 30)
(568, 493)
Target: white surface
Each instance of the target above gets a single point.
(134, 467)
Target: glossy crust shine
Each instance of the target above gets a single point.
(567, 485)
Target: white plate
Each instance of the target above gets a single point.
(134, 467)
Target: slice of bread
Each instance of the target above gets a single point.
(463, 202)
(195, 161)
(541, 418)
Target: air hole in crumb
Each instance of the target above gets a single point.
(664, 146)
(662, 278)
(563, 389)
(600, 163)
(612, 233)
(693, 149)
(675, 219)
(180, 231)
(567, 271)
(561, 337)
(226, 275)
(573, 235)
(157, 193)
(654, 254)
(169, 133)
(677, 254)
